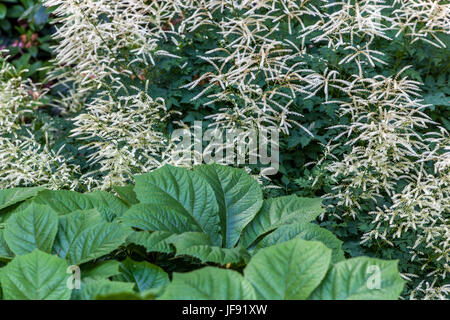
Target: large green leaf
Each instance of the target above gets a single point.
(279, 211)
(126, 194)
(199, 245)
(35, 276)
(359, 279)
(172, 200)
(10, 197)
(33, 228)
(64, 202)
(238, 195)
(186, 192)
(101, 270)
(84, 236)
(145, 275)
(209, 284)
(305, 231)
(95, 289)
(153, 217)
(169, 222)
(5, 251)
(107, 204)
(153, 242)
(289, 270)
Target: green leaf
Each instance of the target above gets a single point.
(145, 275)
(279, 211)
(126, 194)
(84, 236)
(198, 245)
(101, 270)
(35, 276)
(305, 231)
(289, 270)
(152, 242)
(209, 284)
(152, 217)
(239, 197)
(96, 289)
(5, 251)
(65, 201)
(33, 228)
(184, 191)
(10, 197)
(361, 278)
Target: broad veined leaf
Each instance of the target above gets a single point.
(199, 245)
(360, 279)
(101, 270)
(169, 196)
(65, 201)
(185, 191)
(33, 228)
(153, 217)
(107, 204)
(5, 251)
(152, 242)
(10, 197)
(279, 211)
(238, 195)
(35, 276)
(94, 289)
(83, 236)
(290, 270)
(209, 284)
(145, 275)
(166, 220)
(305, 231)
(126, 194)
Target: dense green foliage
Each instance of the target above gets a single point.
(45, 235)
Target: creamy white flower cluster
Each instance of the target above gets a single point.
(24, 161)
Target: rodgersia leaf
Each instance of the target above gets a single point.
(84, 236)
(96, 289)
(289, 270)
(239, 197)
(101, 270)
(184, 191)
(33, 228)
(198, 245)
(359, 279)
(306, 231)
(5, 251)
(153, 242)
(151, 217)
(35, 276)
(126, 194)
(169, 214)
(10, 197)
(209, 284)
(145, 275)
(279, 211)
(64, 202)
